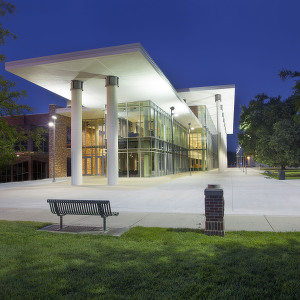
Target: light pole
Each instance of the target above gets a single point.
(172, 116)
(52, 124)
(190, 149)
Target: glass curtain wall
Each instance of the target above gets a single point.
(209, 139)
(198, 150)
(93, 147)
(145, 142)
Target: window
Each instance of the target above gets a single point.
(68, 137)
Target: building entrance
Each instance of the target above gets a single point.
(93, 165)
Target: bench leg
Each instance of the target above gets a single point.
(60, 222)
(104, 223)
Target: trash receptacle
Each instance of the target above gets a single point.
(281, 175)
(214, 210)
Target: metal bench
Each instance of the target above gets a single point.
(63, 207)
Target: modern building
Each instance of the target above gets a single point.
(124, 117)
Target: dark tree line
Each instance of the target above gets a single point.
(270, 127)
(11, 136)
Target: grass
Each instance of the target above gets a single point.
(289, 174)
(147, 263)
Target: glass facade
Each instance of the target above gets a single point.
(21, 171)
(198, 150)
(210, 138)
(93, 147)
(145, 143)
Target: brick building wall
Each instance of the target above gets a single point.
(28, 122)
(62, 153)
(33, 159)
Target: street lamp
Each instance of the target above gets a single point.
(172, 116)
(248, 161)
(52, 124)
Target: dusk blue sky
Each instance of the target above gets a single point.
(194, 42)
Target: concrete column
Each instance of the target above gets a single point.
(203, 160)
(225, 151)
(218, 100)
(112, 83)
(76, 131)
(204, 148)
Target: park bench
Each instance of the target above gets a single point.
(63, 207)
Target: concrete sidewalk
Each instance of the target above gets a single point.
(148, 219)
(252, 202)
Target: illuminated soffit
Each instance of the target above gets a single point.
(206, 96)
(140, 78)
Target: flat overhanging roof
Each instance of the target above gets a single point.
(206, 96)
(140, 78)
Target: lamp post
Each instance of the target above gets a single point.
(172, 116)
(190, 149)
(52, 124)
(248, 161)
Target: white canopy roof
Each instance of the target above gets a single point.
(139, 79)
(206, 96)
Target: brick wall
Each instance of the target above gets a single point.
(61, 150)
(30, 157)
(27, 122)
(214, 211)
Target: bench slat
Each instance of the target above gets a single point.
(80, 207)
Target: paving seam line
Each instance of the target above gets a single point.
(81, 218)
(269, 223)
(139, 220)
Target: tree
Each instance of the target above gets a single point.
(284, 74)
(268, 131)
(5, 8)
(9, 98)
(285, 143)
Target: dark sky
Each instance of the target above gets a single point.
(194, 42)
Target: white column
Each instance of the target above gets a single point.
(225, 151)
(218, 100)
(112, 83)
(76, 131)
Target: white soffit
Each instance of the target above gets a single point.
(206, 96)
(139, 77)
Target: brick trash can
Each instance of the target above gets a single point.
(214, 210)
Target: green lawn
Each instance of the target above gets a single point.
(147, 263)
(289, 174)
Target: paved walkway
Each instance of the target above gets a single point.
(252, 201)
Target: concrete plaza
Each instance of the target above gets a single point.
(252, 201)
